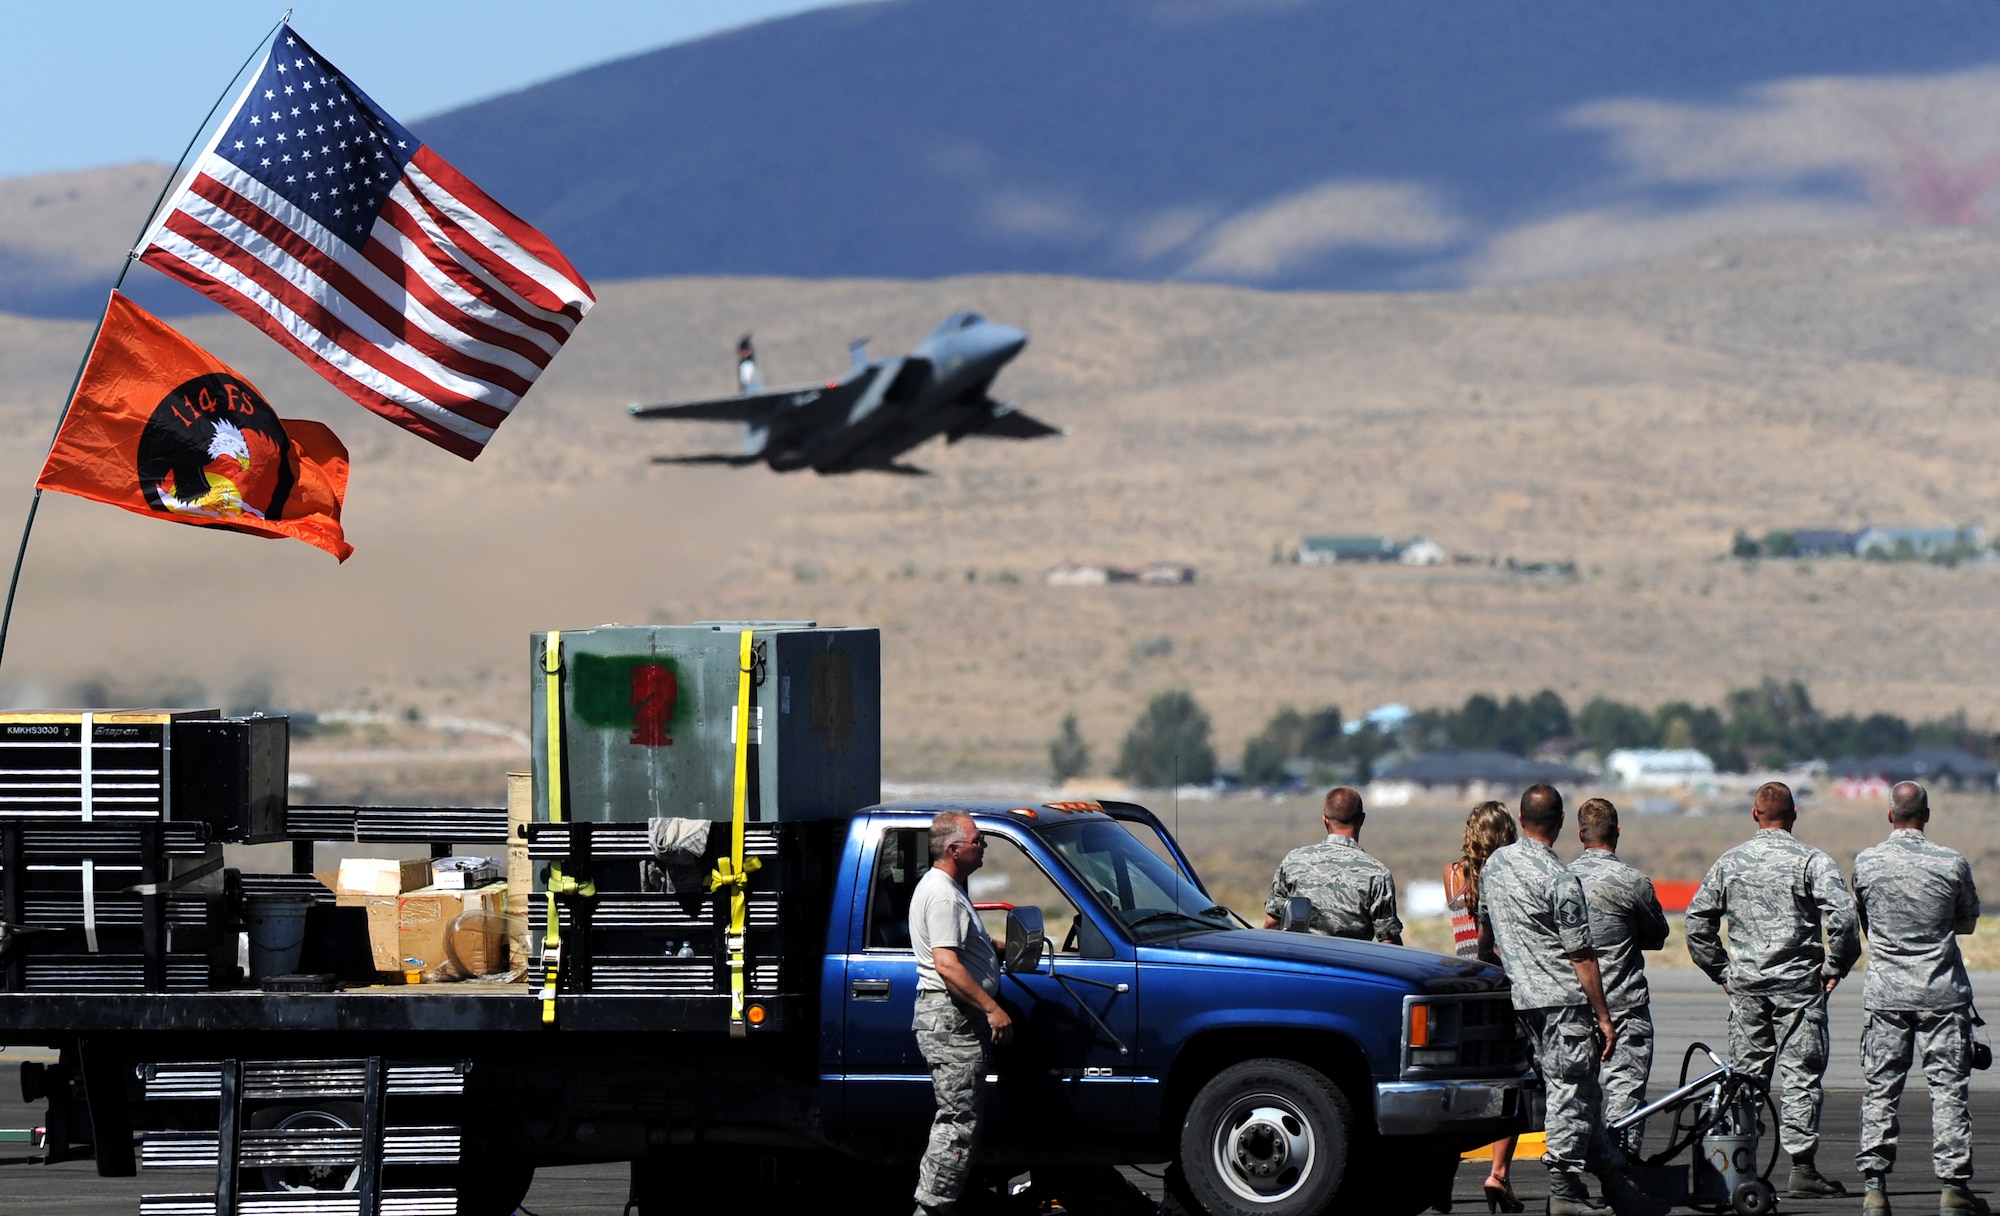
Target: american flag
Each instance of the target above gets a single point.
(320, 219)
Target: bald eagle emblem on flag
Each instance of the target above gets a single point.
(214, 449)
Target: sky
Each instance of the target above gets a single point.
(103, 82)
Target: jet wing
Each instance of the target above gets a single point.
(728, 409)
(761, 407)
(1006, 422)
(728, 458)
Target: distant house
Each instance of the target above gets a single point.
(1158, 574)
(1164, 574)
(1916, 542)
(1422, 552)
(1335, 550)
(1070, 574)
(1823, 542)
(1388, 718)
(1653, 768)
(1458, 769)
(1332, 550)
(1945, 766)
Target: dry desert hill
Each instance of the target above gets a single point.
(1628, 423)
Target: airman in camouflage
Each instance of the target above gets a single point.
(957, 1020)
(1915, 897)
(1352, 894)
(1780, 895)
(1533, 912)
(1625, 919)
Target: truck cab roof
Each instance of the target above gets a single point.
(1029, 813)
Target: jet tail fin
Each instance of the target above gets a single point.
(857, 356)
(749, 376)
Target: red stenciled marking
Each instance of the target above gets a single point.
(654, 691)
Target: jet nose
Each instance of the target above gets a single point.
(1008, 341)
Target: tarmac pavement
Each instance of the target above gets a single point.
(1686, 1008)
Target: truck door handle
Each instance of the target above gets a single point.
(869, 990)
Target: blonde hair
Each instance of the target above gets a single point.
(1487, 828)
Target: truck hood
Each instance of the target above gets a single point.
(1421, 969)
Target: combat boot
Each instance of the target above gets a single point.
(1569, 1197)
(1807, 1182)
(1875, 1194)
(1627, 1199)
(1957, 1199)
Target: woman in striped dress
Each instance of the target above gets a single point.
(1487, 828)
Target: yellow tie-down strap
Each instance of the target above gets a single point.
(733, 871)
(552, 692)
(559, 884)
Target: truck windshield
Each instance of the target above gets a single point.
(1153, 898)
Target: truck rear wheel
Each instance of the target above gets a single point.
(326, 1116)
(492, 1185)
(1266, 1138)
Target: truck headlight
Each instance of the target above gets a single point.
(1431, 1034)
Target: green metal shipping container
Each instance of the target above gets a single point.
(648, 723)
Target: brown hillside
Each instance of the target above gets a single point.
(1628, 424)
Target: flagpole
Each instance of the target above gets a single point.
(131, 255)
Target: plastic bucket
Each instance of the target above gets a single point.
(277, 925)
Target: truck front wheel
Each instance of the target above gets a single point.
(1266, 1138)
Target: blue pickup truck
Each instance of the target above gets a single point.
(1276, 1073)
(1273, 1070)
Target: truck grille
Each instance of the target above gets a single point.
(1480, 1027)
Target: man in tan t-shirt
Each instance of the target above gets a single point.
(957, 1019)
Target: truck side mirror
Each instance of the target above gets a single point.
(1024, 940)
(1295, 915)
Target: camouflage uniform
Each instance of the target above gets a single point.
(955, 1038)
(1778, 893)
(1918, 1000)
(955, 1043)
(1625, 919)
(1352, 894)
(1540, 918)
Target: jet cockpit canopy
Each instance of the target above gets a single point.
(963, 319)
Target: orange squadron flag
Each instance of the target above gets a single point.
(161, 427)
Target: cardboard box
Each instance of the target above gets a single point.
(415, 924)
(361, 878)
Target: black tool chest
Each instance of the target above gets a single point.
(111, 874)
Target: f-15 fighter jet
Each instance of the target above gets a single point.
(879, 411)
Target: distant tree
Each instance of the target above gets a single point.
(1478, 724)
(1263, 763)
(1679, 736)
(1069, 755)
(1952, 731)
(1266, 752)
(1514, 735)
(1610, 725)
(1366, 746)
(1483, 723)
(1548, 717)
(1780, 544)
(1169, 740)
(1743, 546)
(1324, 737)
(1701, 727)
(1877, 734)
(1773, 714)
